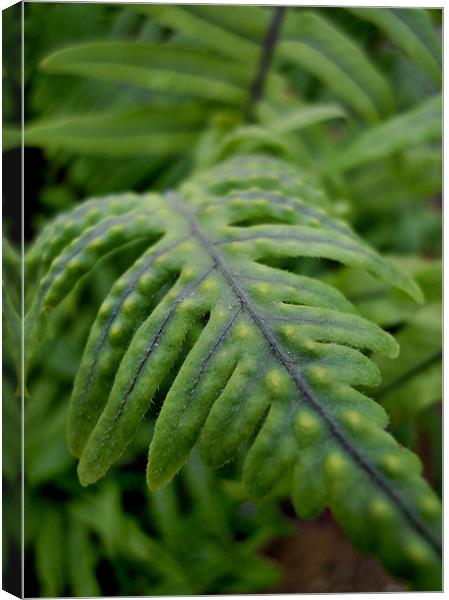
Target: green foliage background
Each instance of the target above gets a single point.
(138, 97)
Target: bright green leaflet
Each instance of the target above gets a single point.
(277, 356)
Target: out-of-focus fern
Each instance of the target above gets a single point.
(411, 29)
(422, 124)
(286, 342)
(412, 382)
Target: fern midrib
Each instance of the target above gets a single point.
(180, 206)
(148, 352)
(130, 288)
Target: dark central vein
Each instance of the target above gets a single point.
(121, 299)
(155, 341)
(303, 387)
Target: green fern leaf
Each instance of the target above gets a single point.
(411, 29)
(320, 48)
(82, 561)
(299, 118)
(150, 131)
(217, 30)
(275, 352)
(50, 552)
(421, 124)
(415, 381)
(166, 68)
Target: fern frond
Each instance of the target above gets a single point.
(275, 351)
(307, 39)
(214, 29)
(82, 562)
(150, 130)
(158, 67)
(416, 126)
(327, 53)
(411, 29)
(50, 552)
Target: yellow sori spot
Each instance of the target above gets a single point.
(187, 304)
(93, 212)
(188, 246)
(288, 330)
(318, 374)
(188, 273)
(233, 247)
(208, 286)
(352, 418)
(105, 308)
(116, 229)
(307, 427)
(220, 313)
(274, 378)
(261, 202)
(129, 304)
(96, 243)
(335, 464)
(144, 282)
(160, 259)
(73, 265)
(262, 288)
(69, 226)
(115, 332)
(308, 345)
(391, 464)
(416, 551)
(119, 286)
(380, 509)
(243, 330)
(429, 505)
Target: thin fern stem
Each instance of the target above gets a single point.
(266, 56)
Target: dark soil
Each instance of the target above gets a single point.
(318, 559)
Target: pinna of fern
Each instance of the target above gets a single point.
(275, 359)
